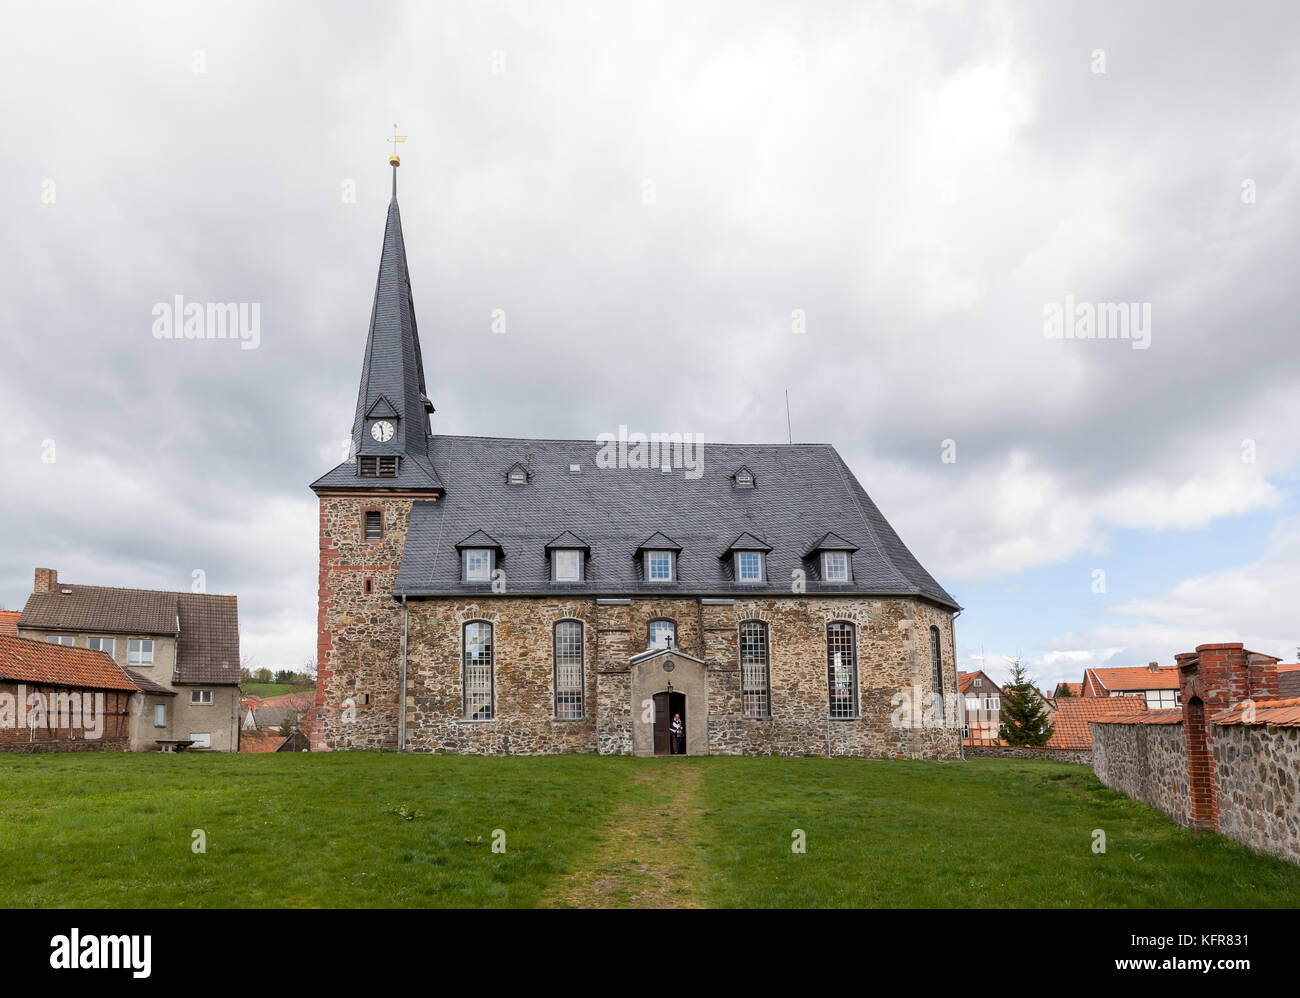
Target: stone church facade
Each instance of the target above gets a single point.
(518, 596)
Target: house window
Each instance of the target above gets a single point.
(992, 704)
(478, 565)
(377, 467)
(835, 566)
(842, 668)
(1162, 699)
(659, 566)
(201, 739)
(755, 693)
(106, 645)
(200, 698)
(977, 682)
(139, 651)
(478, 671)
(61, 639)
(663, 633)
(568, 670)
(518, 476)
(744, 480)
(160, 715)
(936, 661)
(568, 565)
(368, 586)
(374, 528)
(749, 566)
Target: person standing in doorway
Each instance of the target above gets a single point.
(676, 731)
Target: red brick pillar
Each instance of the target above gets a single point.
(47, 581)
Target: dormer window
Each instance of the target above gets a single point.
(566, 565)
(478, 564)
(517, 475)
(835, 566)
(749, 566)
(377, 467)
(659, 566)
(744, 478)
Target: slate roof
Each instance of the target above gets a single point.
(803, 492)
(206, 628)
(23, 660)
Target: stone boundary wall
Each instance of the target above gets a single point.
(1257, 768)
(1083, 756)
(1147, 762)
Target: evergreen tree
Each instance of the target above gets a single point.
(1024, 715)
(1063, 690)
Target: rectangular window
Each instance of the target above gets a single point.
(61, 639)
(377, 467)
(106, 645)
(160, 715)
(749, 566)
(478, 565)
(992, 703)
(835, 566)
(568, 566)
(1162, 699)
(477, 676)
(374, 529)
(755, 693)
(659, 566)
(842, 668)
(139, 651)
(662, 632)
(201, 739)
(568, 670)
(200, 698)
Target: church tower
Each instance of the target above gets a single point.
(365, 508)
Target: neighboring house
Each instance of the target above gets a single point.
(1288, 680)
(981, 708)
(1074, 716)
(181, 649)
(1074, 690)
(58, 699)
(9, 622)
(1157, 686)
(520, 596)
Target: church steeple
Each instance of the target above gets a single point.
(390, 432)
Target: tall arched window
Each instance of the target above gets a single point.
(936, 661)
(755, 693)
(842, 668)
(477, 674)
(568, 670)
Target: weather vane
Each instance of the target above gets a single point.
(393, 159)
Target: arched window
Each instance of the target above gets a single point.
(936, 661)
(477, 678)
(661, 633)
(842, 668)
(568, 670)
(755, 692)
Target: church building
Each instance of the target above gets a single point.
(516, 596)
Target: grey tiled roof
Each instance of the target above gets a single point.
(802, 493)
(148, 685)
(101, 609)
(207, 650)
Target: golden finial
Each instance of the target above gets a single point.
(394, 160)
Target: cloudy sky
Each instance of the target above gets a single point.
(657, 196)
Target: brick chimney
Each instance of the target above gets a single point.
(47, 581)
(1153, 666)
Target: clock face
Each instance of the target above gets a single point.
(382, 431)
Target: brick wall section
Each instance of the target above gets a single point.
(1147, 762)
(1257, 769)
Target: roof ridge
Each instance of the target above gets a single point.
(595, 442)
(131, 589)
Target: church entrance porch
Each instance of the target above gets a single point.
(669, 705)
(668, 682)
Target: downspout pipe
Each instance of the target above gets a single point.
(401, 694)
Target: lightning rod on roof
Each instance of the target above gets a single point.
(789, 437)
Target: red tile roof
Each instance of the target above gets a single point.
(1076, 689)
(9, 622)
(260, 741)
(1272, 713)
(1074, 716)
(1143, 716)
(1138, 677)
(26, 661)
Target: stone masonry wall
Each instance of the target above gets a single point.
(1256, 768)
(1148, 762)
(1083, 756)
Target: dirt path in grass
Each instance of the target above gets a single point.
(650, 855)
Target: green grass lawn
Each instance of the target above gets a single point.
(385, 830)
